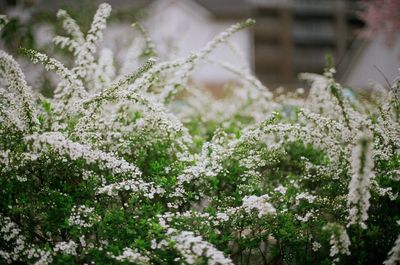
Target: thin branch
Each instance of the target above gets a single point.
(383, 75)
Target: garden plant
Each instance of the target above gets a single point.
(144, 166)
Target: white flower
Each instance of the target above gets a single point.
(339, 241)
(362, 165)
(316, 246)
(68, 248)
(259, 203)
(222, 216)
(83, 216)
(394, 254)
(132, 255)
(21, 110)
(305, 196)
(193, 248)
(281, 189)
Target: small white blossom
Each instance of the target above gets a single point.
(68, 248)
(394, 254)
(132, 255)
(260, 203)
(359, 187)
(316, 246)
(281, 189)
(193, 248)
(83, 216)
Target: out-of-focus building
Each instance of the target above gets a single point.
(290, 37)
(181, 27)
(294, 36)
(372, 62)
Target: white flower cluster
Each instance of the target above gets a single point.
(16, 104)
(5, 160)
(74, 151)
(339, 241)
(20, 247)
(94, 104)
(208, 165)
(259, 203)
(133, 256)
(340, 245)
(305, 196)
(70, 85)
(133, 186)
(394, 254)
(306, 217)
(67, 248)
(73, 29)
(222, 217)
(104, 74)
(194, 249)
(86, 52)
(281, 189)
(83, 216)
(130, 134)
(316, 246)
(362, 166)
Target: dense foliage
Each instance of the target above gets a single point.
(141, 166)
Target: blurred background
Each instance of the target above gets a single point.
(289, 37)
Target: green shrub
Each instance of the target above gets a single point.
(146, 168)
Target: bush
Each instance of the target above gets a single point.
(144, 167)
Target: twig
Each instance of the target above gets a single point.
(383, 75)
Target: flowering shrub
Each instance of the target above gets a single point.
(140, 166)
